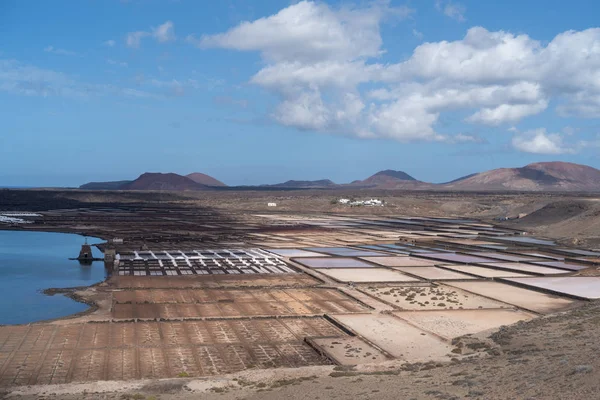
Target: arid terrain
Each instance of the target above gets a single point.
(218, 295)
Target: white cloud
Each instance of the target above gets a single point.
(309, 32)
(538, 141)
(60, 52)
(134, 39)
(162, 34)
(179, 87)
(507, 113)
(305, 111)
(28, 80)
(109, 43)
(453, 10)
(323, 64)
(466, 138)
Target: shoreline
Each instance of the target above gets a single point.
(69, 292)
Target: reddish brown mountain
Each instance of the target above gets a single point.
(541, 176)
(204, 179)
(390, 179)
(544, 176)
(158, 181)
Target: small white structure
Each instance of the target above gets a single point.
(271, 204)
(373, 202)
(368, 203)
(344, 201)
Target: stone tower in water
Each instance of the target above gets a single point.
(85, 254)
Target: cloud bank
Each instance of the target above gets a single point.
(324, 65)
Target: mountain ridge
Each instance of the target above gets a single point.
(162, 181)
(540, 176)
(204, 179)
(296, 184)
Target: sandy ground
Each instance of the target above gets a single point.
(553, 357)
(528, 300)
(397, 337)
(437, 297)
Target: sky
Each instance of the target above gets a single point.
(262, 91)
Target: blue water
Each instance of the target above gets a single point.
(33, 261)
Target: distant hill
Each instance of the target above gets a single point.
(115, 185)
(389, 173)
(390, 179)
(462, 178)
(318, 184)
(204, 179)
(159, 181)
(543, 176)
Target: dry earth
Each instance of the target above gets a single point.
(553, 357)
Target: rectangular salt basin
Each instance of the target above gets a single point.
(334, 262)
(459, 258)
(394, 247)
(433, 273)
(397, 337)
(349, 350)
(580, 252)
(401, 261)
(373, 247)
(494, 247)
(543, 255)
(484, 272)
(527, 240)
(454, 323)
(345, 251)
(366, 275)
(527, 268)
(563, 265)
(528, 299)
(295, 253)
(585, 287)
(439, 297)
(387, 251)
(504, 256)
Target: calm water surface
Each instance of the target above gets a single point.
(33, 261)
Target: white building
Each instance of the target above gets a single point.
(344, 201)
(271, 204)
(373, 202)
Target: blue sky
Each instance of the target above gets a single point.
(256, 92)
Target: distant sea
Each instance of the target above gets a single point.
(17, 187)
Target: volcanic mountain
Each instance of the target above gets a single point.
(115, 185)
(158, 181)
(318, 184)
(390, 179)
(204, 179)
(541, 176)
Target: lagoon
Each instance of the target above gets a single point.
(33, 261)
